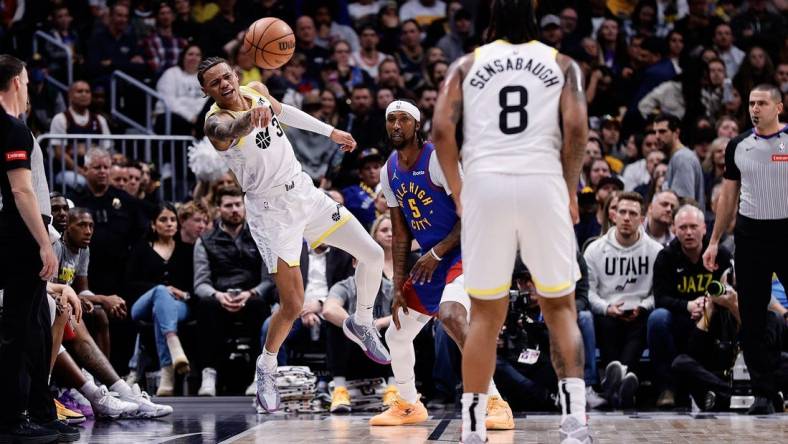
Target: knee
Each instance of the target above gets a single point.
(585, 317)
(454, 318)
(160, 291)
(290, 310)
(659, 320)
(99, 317)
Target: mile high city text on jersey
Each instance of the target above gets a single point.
(489, 70)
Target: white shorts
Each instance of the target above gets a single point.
(455, 292)
(502, 212)
(281, 218)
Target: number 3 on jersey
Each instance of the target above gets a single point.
(513, 118)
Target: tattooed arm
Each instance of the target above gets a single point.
(223, 129)
(447, 114)
(400, 243)
(574, 116)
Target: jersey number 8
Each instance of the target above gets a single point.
(517, 109)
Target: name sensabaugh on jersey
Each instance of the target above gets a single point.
(512, 62)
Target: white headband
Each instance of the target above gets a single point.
(399, 105)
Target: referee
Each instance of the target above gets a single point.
(756, 175)
(27, 412)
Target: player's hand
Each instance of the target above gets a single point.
(345, 140)
(260, 116)
(424, 268)
(87, 306)
(710, 257)
(310, 319)
(396, 303)
(574, 210)
(49, 261)
(71, 298)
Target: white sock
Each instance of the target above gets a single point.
(121, 388)
(403, 356)
(474, 413)
(363, 314)
(572, 394)
(493, 390)
(269, 360)
(340, 381)
(90, 391)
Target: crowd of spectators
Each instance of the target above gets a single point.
(667, 84)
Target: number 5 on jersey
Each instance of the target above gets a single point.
(414, 208)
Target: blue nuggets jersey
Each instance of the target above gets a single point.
(430, 214)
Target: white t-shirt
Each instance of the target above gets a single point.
(181, 92)
(425, 15)
(372, 70)
(358, 11)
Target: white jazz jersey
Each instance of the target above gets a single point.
(264, 158)
(511, 97)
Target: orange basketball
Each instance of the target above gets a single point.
(272, 42)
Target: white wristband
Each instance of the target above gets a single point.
(437, 258)
(296, 118)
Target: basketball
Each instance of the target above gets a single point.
(272, 42)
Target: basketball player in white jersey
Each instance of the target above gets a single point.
(525, 126)
(284, 207)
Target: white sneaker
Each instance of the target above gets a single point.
(593, 399)
(146, 409)
(252, 389)
(208, 385)
(109, 406)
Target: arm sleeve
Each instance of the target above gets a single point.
(296, 118)
(665, 295)
(18, 148)
(203, 287)
(388, 193)
(731, 170)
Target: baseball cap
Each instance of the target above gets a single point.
(612, 180)
(549, 20)
(368, 155)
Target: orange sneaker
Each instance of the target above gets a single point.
(499, 414)
(400, 413)
(340, 400)
(68, 415)
(390, 395)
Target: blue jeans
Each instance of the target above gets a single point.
(281, 357)
(662, 331)
(585, 321)
(160, 307)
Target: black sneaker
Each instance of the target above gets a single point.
(629, 387)
(65, 432)
(28, 433)
(614, 373)
(761, 406)
(779, 403)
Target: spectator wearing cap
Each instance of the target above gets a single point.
(455, 41)
(312, 150)
(551, 31)
(423, 11)
(329, 31)
(360, 198)
(368, 57)
(620, 275)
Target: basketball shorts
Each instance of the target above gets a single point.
(282, 217)
(504, 212)
(426, 299)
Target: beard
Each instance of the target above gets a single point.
(403, 143)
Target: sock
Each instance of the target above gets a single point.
(493, 390)
(121, 388)
(474, 413)
(572, 395)
(363, 314)
(90, 391)
(407, 390)
(340, 381)
(269, 360)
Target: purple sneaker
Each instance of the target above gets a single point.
(70, 399)
(368, 338)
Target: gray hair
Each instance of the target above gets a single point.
(95, 153)
(688, 208)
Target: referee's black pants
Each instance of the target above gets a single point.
(25, 331)
(761, 249)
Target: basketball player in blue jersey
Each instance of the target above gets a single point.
(524, 128)
(284, 208)
(421, 208)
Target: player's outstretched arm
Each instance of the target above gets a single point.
(222, 129)
(574, 115)
(448, 111)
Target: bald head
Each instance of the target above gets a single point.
(305, 29)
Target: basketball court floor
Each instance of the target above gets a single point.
(233, 420)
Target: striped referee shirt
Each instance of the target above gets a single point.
(760, 163)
